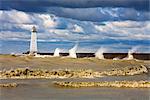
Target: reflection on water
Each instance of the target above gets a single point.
(43, 89)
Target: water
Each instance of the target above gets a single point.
(56, 52)
(130, 56)
(72, 51)
(43, 89)
(130, 53)
(99, 53)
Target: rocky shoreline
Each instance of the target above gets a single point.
(9, 85)
(118, 84)
(24, 73)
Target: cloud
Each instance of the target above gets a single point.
(47, 20)
(125, 29)
(25, 26)
(77, 28)
(14, 16)
(84, 10)
(18, 19)
(9, 35)
(51, 27)
(129, 24)
(41, 6)
(100, 14)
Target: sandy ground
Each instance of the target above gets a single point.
(11, 62)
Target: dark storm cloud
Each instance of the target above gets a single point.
(84, 10)
(41, 5)
(100, 14)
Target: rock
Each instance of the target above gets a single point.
(9, 85)
(127, 84)
(39, 73)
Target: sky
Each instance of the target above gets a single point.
(112, 22)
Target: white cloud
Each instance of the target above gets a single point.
(14, 16)
(47, 20)
(26, 26)
(77, 28)
(60, 32)
(17, 19)
(128, 24)
(125, 29)
(13, 35)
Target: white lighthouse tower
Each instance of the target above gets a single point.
(33, 42)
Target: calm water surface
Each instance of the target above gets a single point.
(43, 89)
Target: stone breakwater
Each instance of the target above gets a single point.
(119, 84)
(8, 85)
(126, 71)
(23, 73)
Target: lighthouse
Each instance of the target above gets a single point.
(33, 42)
